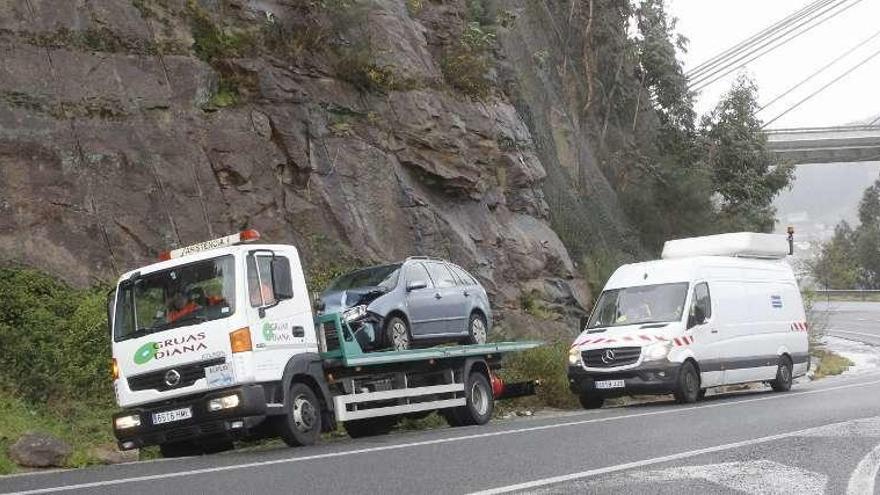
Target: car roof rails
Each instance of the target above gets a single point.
(421, 257)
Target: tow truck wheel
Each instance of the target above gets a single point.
(301, 425)
(783, 380)
(589, 401)
(688, 389)
(180, 449)
(479, 403)
(369, 427)
(397, 334)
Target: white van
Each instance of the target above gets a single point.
(715, 310)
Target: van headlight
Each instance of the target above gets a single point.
(574, 356)
(657, 351)
(354, 313)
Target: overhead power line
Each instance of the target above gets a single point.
(875, 121)
(774, 43)
(748, 42)
(823, 88)
(820, 70)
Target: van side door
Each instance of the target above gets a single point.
(702, 335)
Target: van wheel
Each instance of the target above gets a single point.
(369, 427)
(783, 380)
(688, 389)
(477, 329)
(479, 403)
(301, 425)
(397, 334)
(180, 449)
(591, 401)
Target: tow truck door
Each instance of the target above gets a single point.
(280, 328)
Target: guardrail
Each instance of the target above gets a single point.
(860, 293)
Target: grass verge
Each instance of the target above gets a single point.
(830, 364)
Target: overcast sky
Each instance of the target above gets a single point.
(715, 25)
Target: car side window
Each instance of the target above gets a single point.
(259, 279)
(415, 272)
(441, 275)
(701, 308)
(465, 277)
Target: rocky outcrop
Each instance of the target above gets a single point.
(39, 450)
(122, 134)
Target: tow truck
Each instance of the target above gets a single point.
(218, 342)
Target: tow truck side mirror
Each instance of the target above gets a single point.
(282, 285)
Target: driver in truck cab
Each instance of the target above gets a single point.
(180, 303)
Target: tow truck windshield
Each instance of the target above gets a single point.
(183, 295)
(659, 303)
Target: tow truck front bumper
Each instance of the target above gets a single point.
(652, 378)
(231, 423)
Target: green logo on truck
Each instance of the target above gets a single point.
(170, 347)
(145, 353)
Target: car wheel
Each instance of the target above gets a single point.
(397, 334)
(477, 333)
(589, 401)
(360, 428)
(688, 389)
(783, 380)
(479, 403)
(301, 425)
(180, 449)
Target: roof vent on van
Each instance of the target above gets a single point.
(741, 244)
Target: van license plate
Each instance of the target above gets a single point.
(609, 384)
(171, 416)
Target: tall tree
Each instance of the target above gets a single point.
(746, 175)
(836, 266)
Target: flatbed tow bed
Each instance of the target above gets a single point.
(388, 384)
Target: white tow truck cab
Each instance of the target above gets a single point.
(715, 310)
(218, 342)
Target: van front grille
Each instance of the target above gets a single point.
(611, 357)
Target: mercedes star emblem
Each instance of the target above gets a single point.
(608, 356)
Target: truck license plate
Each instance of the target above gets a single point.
(609, 384)
(171, 416)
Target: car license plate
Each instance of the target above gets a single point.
(609, 384)
(171, 416)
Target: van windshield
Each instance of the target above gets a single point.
(179, 296)
(635, 305)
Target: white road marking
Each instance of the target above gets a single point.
(290, 460)
(756, 477)
(639, 464)
(862, 334)
(861, 481)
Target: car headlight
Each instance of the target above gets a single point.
(354, 313)
(225, 402)
(574, 356)
(126, 422)
(656, 351)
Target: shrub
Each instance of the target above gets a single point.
(547, 364)
(467, 64)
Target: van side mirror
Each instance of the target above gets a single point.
(282, 285)
(416, 285)
(697, 318)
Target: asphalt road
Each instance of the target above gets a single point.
(818, 438)
(851, 320)
(821, 437)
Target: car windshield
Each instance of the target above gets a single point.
(383, 276)
(183, 295)
(636, 305)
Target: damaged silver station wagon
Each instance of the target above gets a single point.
(400, 305)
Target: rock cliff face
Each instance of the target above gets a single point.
(128, 127)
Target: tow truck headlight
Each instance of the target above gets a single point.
(225, 402)
(354, 313)
(126, 422)
(657, 351)
(574, 356)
